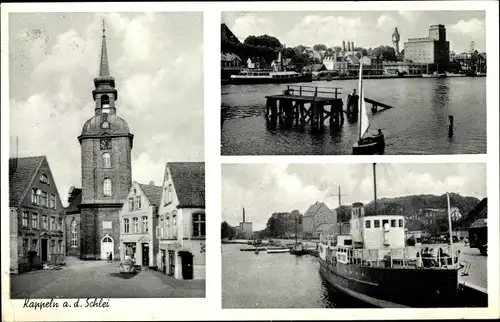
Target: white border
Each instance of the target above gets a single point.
(210, 308)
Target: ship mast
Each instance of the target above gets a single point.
(450, 228)
(375, 186)
(296, 230)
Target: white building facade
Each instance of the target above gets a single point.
(181, 226)
(138, 219)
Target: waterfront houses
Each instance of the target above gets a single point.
(36, 215)
(138, 219)
(181, 225)
(317, 214)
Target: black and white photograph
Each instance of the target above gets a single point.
(353, 82)
(360, 235)
(106, 167)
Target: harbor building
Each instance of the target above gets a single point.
(317, 214)
(138, 222)
(181, 225)
(36, 215)
(106, 144)
(72, 222)
(432, 50)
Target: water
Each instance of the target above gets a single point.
(417, 125)
(278, 280)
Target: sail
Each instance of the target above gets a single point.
(364, 122)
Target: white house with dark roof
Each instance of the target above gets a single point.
(138, 219)
(36, 215)
(181, 226)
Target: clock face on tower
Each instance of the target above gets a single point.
(105, 125)
(106, 144)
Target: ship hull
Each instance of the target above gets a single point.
(392, 287)
(263, 80)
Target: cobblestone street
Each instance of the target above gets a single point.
(96, 279)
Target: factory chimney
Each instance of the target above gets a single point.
(352, 45)
(343, 45)
(348, 46)
(243, 214)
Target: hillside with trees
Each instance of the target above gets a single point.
(267, 47)
(283, 223)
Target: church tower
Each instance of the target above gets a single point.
(106, 144)
(395, 40)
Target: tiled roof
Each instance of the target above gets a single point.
(21, 176)
(189, 183)
(313, 209)
(73, 207)
(152, 192)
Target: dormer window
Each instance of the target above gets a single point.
(105, 104)
(44, 179)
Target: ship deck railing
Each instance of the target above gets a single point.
(403, 257)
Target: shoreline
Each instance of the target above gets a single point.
(227, 81)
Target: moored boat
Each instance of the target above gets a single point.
(374, 144)
(278, 250)
(269, 76)
(372, 263)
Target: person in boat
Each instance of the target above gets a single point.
(352, 102)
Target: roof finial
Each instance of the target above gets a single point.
(104, 69)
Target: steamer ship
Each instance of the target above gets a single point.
(369, 260)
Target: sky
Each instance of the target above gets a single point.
(157, 62)
(364, 28)
(263, 189)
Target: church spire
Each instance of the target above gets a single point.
(104, 93)
(104, 69)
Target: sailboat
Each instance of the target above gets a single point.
(297, 249)
(372, 263)
(366, 145)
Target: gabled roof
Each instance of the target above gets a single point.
(74, 205)
(227, 34)
(21, 174)
(152, 192)
(313, 209)
(189, 183)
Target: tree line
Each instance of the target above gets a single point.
(281, 224)
(268, 47)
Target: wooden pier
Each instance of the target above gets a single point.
(299, 105)
(305, 104)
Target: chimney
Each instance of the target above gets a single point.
(352, 45)
(348, 46)
(151, 183)
(343, 45)
(243, 214)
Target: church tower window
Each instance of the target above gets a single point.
(105, 104)
(106, 158)
(106, 187)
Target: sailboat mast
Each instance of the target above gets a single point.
(360, 98)
(375, 187)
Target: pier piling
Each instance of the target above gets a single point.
(305, 104)
(450, 126)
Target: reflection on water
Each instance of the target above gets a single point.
(279, 280)
(418, 123)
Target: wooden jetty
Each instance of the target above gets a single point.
(302, 104)
(299, 105)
